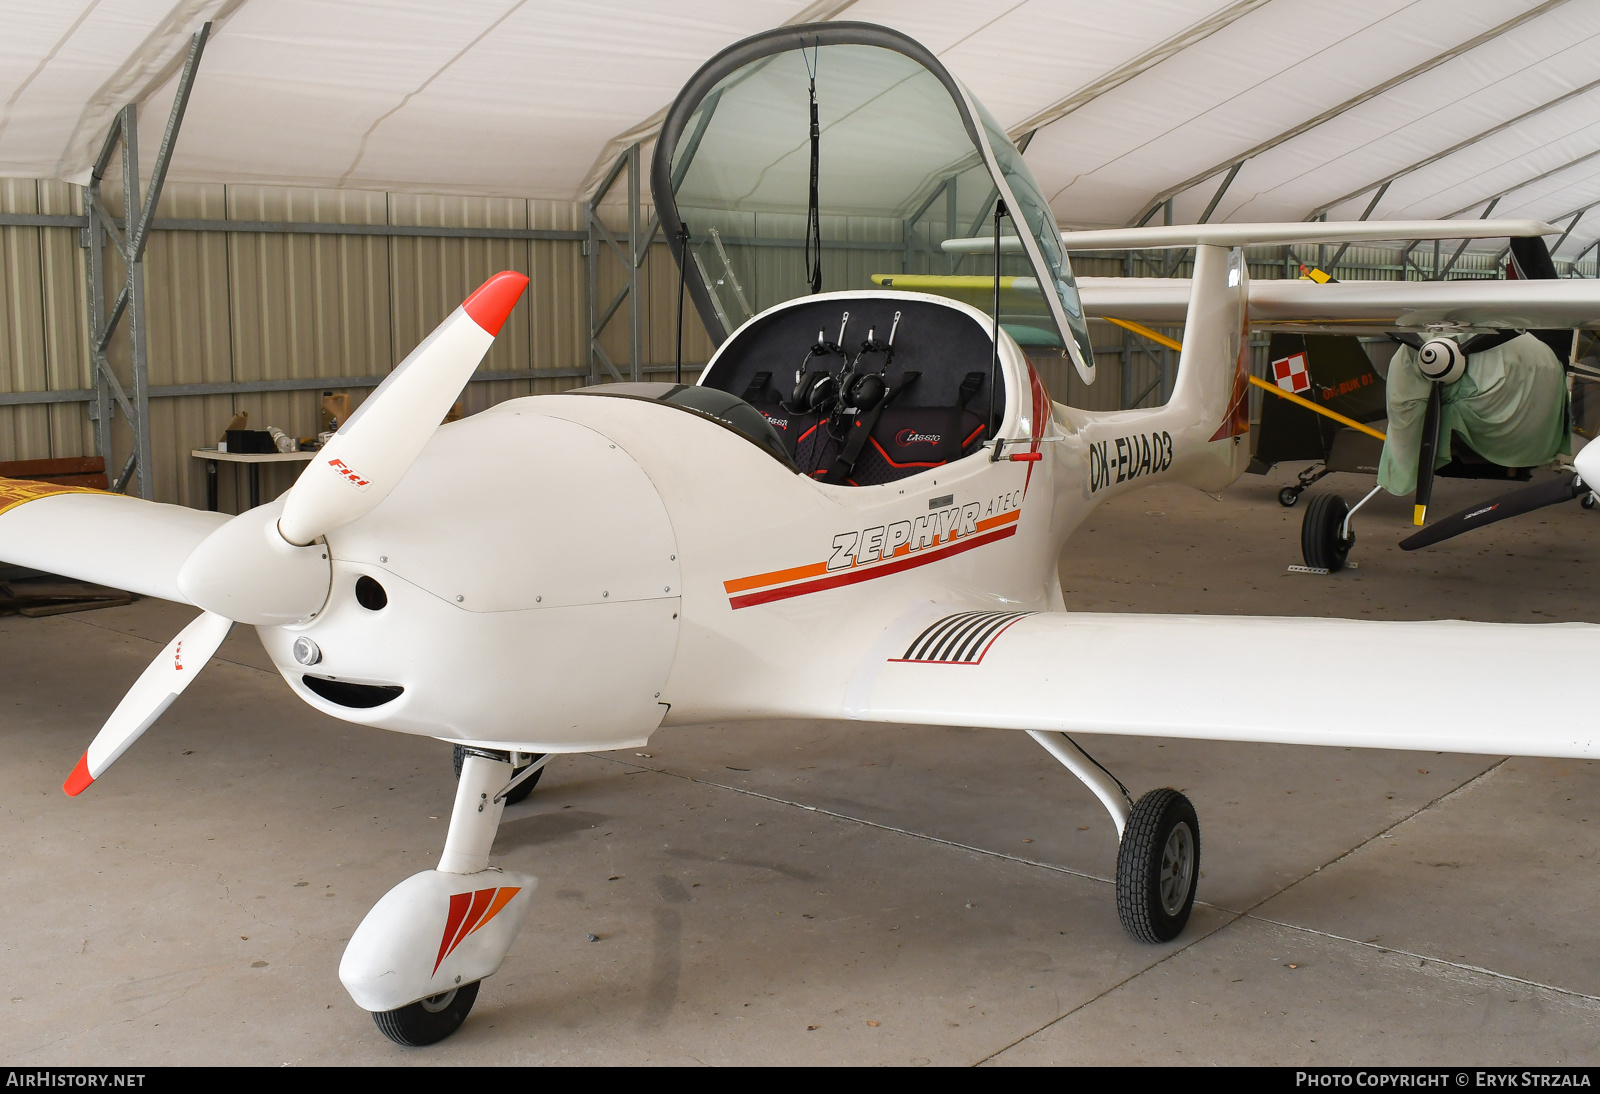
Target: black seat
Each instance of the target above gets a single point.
(909, 440)
(937, 373)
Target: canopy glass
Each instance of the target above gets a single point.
(905, 160)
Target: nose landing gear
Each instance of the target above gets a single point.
(417, 958)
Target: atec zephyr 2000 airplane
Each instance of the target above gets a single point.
(872, 476)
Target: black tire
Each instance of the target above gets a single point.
(1158, 866)
(427, 1021)
(1320, 542)
(1288, 496)
(522, 790)
(1588, 501)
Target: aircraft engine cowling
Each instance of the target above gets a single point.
(518, 589)
(1441, 360)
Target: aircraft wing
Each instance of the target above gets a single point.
(92, 535)
(1450, 686)
(1362, 307)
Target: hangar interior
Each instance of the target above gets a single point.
(307, 194)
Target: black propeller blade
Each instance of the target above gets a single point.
(1430, 446)
(1526, 500)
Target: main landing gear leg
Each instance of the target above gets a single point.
(1158, 854)
(418, 957)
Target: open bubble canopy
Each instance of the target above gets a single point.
(1461, 102)
(900, 154)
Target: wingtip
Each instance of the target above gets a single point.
(494, 300)
(79, 780)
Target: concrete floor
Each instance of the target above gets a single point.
(817, 893)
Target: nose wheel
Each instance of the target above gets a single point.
(428, 1020)
(1158, 866)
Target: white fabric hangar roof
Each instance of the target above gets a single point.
(1465, 101)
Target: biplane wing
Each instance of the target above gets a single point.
(1362, 307)
(1448, 686)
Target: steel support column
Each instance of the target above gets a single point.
(638, 249)
(130, 238)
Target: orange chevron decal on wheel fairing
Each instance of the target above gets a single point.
(468, 912)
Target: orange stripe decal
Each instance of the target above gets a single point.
(995, 522)
(776, 577)
(502, 897)
(868, 573)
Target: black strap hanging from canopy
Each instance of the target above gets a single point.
(814, 216)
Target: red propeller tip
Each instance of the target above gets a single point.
(494, 300)
(79, 780)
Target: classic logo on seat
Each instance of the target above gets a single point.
(781, 423)
(468, 912)
(911, 436)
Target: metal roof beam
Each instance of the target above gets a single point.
(1453, 149)
(1353, 102)
(1586, 157)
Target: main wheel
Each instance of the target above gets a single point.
(1158, 866)
(521, 791)
(1288, 496)
(427, 1020)
(1588, 501)
(1321, 544)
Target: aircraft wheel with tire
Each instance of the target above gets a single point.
(1589, 501)
(1320, 542)
(1158, 866)
(427, 1020)
(518, 793)
(1288, 496)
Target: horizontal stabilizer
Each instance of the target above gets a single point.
(106, 538)
(1200, 677)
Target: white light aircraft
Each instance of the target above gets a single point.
(860, 524)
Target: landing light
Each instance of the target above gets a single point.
(306, 651)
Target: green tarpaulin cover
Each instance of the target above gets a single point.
(1510, 407)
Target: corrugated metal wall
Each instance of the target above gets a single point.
(235, 306)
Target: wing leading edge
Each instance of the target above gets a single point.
(1450, 686)
(1362, 307)
(95, 536)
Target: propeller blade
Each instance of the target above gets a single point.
(1425, 459)
(1517, 502)
(374, 449)
(149, 697)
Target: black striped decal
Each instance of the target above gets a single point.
(960, 639)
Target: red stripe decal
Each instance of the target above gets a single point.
(459, 902)
(853, 576)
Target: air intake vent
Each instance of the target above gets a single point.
(347, 694)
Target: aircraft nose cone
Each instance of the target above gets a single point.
(249, 573)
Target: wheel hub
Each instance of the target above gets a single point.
(1177, 868)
